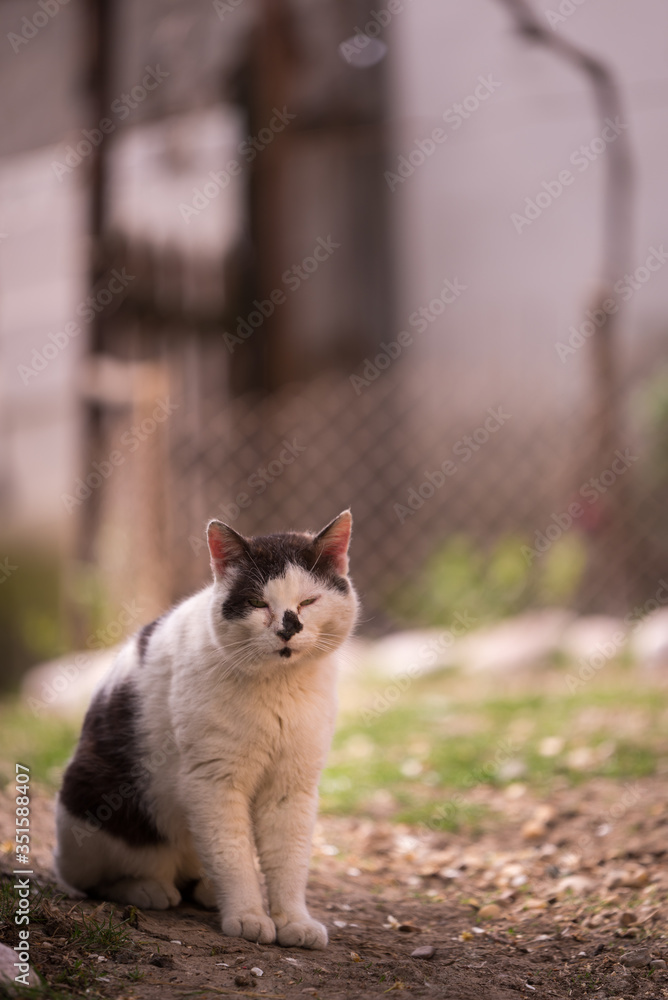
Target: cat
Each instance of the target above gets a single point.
(207, 739)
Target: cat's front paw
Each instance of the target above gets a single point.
(302, 933)
(252, 926)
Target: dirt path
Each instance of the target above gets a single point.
(559, 900)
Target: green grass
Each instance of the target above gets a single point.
(85, 934)
(444, 737)
(42, 743)
(105, 937)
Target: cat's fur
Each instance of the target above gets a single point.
(208, 736)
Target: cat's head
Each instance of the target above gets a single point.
(281, 599)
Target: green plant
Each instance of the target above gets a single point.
(102, 936)
(489, 584)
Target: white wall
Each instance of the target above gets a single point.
(452, 215)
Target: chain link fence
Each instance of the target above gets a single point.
(435, 478)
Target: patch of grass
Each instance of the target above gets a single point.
(44, 992)
(80, 976)
(7, 902)
(423, 758)
(105, 937)
(44, 744)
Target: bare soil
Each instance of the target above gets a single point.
(564, 898)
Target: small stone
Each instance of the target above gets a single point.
(575, 884)
(657, 963)
(255, 971)
(623, 878)
(511, 770)
(492, 911)
(534, 904)
(426, 951)
(637, 879)
(636, 960)
(551, 746)
(533, 829)
(162, 961)
(514, 791)
(545, 813)
(449, 873)
(7, 972)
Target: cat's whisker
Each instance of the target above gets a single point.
(231, 645)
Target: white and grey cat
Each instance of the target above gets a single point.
(206, 741)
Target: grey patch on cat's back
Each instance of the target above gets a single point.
(144, 635)
(104, 783)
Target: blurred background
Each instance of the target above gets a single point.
(266, 259)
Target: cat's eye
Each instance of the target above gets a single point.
(257, 604)
(311, 600)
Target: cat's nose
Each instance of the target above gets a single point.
(291, 625)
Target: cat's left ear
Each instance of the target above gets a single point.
(226, 547)
(331, 544)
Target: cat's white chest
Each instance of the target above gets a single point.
(255, 729)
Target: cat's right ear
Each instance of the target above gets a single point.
(226, 547)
